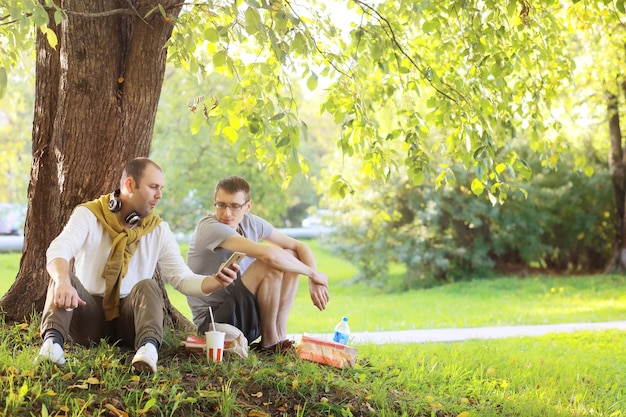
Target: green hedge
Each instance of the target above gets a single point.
(442, 235)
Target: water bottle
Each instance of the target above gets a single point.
(342, 332)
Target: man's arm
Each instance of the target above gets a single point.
(276, 256)
(280, 256)
(65, 295)
(220, 280)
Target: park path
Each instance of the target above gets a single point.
(458, 334)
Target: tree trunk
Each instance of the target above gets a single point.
(96, 99)
(616, 168)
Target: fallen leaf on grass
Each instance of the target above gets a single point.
(208, 394)
(67, 376)
(463, 414)
(92, 380)
(257, 413)
(115, 411)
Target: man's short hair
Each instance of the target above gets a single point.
(233, 185)
(135, 168)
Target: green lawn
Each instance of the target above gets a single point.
(571, 374)
(489, 302)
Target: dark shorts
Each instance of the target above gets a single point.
(237, 306)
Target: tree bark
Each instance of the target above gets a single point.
(616, 168)
(95, 105)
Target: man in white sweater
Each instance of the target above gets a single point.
(116, 243)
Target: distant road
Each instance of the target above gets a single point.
(311, 232)
(459, 334)
(11, 243)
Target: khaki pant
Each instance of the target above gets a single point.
(141, 316)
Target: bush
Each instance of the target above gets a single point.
(565, 223)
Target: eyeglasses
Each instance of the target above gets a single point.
(232, 207)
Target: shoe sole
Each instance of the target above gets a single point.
(141, 366)
(43, 359)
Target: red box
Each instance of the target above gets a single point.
(326, 352)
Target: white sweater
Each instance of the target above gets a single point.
(85, 240)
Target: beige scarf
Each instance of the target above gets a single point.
(125, 242)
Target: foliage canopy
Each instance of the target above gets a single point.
(479, 72)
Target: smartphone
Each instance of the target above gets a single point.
(235, 258)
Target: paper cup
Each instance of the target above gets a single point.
(214, 346)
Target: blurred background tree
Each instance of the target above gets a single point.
(402, 112)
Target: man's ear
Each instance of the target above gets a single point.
(129, 185)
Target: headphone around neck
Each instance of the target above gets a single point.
(115, 205)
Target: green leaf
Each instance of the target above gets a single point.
(230, 135)
(299, 44)
(311, 83)
(430, 26)
(211, 35)
(284, 141)
(477, 187)
(253, 20)
(3, 81)
(196, 124)
(40, 16)
(253, 125)
(58, 17)
(219, 58)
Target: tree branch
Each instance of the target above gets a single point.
(10, 22)
(317, 48)
(392, 36)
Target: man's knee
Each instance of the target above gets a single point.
(147, 285)
(148, 289)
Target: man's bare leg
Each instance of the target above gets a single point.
(288, 291)
(268, 298)
(265, 283)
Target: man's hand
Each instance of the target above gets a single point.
(227, 275)
(319, 278)
(318, 289)
(66, 296)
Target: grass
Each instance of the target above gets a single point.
(573, 374)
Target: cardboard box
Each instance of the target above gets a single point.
(326, 352)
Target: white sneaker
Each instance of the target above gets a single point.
(52, 352)
(146, 359)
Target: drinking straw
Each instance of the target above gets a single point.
(212, 320)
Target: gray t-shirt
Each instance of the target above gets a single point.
(205, 253)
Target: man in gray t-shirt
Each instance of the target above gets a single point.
(258, 303)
